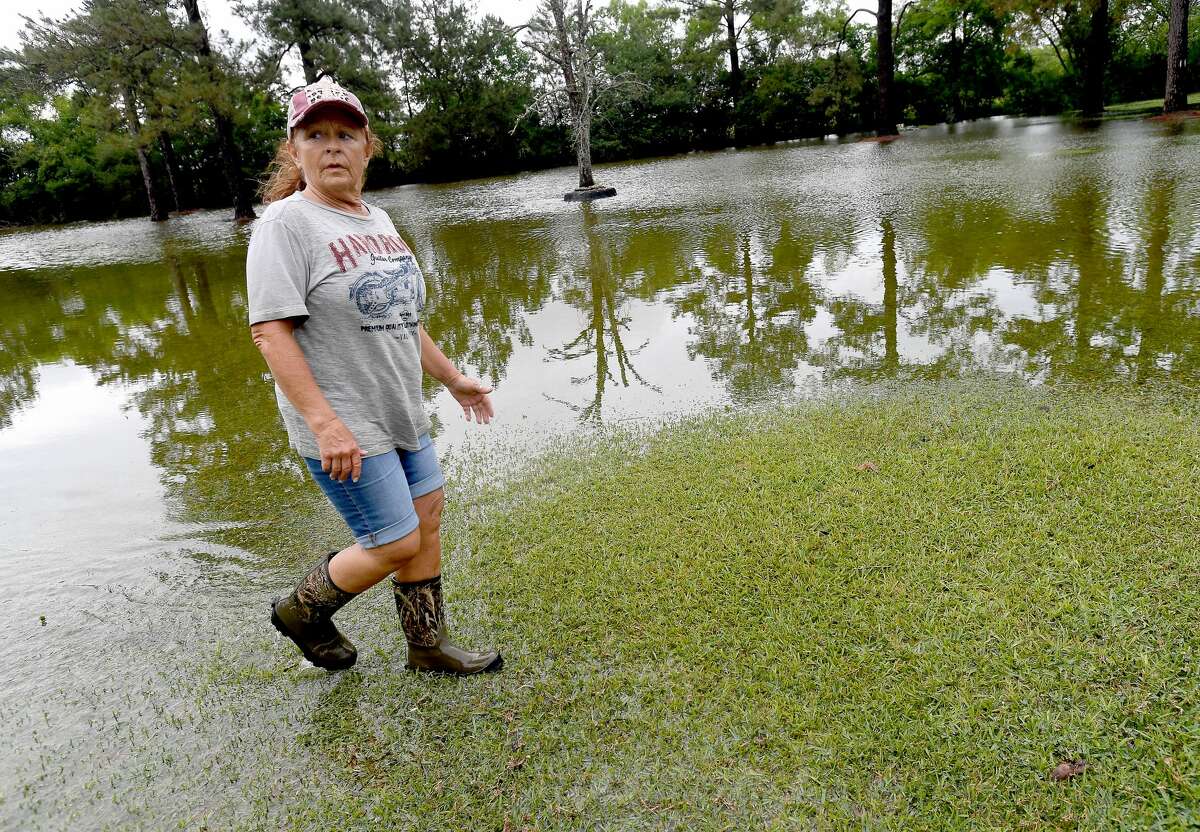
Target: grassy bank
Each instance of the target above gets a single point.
(1150, 106)
(738, 623)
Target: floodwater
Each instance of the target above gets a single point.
(149, 505)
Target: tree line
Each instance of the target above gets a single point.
(129, 107)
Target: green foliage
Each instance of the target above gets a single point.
(467, 87)
(54, 169)
(956, 64)
(1034, 84)
(661, 107)
(452, 94)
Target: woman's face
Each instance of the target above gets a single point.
(332, 149)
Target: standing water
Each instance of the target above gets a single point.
(150, 507)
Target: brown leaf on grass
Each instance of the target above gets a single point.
(1175, 778)
(1068, 769)
(516, 763)
(867, 466)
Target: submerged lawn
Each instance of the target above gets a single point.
(734, 623)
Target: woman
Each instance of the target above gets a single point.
(335, 299)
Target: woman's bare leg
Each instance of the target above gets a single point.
(355, 569)
(414, 557)
(428, 561)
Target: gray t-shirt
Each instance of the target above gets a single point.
(357, 294)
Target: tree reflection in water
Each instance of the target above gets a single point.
(599, 296)
(752, 298)
(483, 280)
(1092, 275)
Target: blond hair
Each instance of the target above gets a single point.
(284, 176)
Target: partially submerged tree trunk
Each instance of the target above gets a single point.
(577, 82)
(1097, 51)
(885, 119)
(157, 211)
(1175, 98)
(564, 41)
(231, 161)
(958, 48)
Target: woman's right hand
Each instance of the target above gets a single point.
(340, 455)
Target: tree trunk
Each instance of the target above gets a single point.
(885, 120)
(1176, 94)
(958, 48)
(583, 150)
(735, 66)
(584, 143)
(157, 214)
(577, 80)
(307, 61)
(172, 166)
(1097, 49)
(231, 161)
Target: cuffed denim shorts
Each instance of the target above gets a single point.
(379, 507)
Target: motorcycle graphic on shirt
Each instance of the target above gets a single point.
(389, 295)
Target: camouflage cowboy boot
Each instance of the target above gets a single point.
(423, 617)
(304, 617)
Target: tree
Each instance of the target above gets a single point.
(885, 120)
(564, 42)
(638, 40)
(214, 81)
(1175, 98)
(722, 16)
(324, 32)
(465, 83)
(1081, 34)
(110, 48)
(885, 60)
(955, 58)
(1096, 54)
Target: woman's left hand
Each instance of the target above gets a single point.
(472, 394)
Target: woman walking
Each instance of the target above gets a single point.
(335, 301)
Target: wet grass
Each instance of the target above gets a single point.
(734, 623)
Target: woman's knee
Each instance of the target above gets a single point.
(399, 552)
(429, 511)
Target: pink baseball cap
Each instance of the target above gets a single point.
(325, 92)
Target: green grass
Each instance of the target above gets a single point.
(726, 624)
(1150, 106)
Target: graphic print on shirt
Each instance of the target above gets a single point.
(375, 293)
(389, 293)
(389, 300)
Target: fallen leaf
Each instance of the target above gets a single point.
(867, 466)
(1067, 769)
(1175, 778)
(516, 763)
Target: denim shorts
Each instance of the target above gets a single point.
(379, 507)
